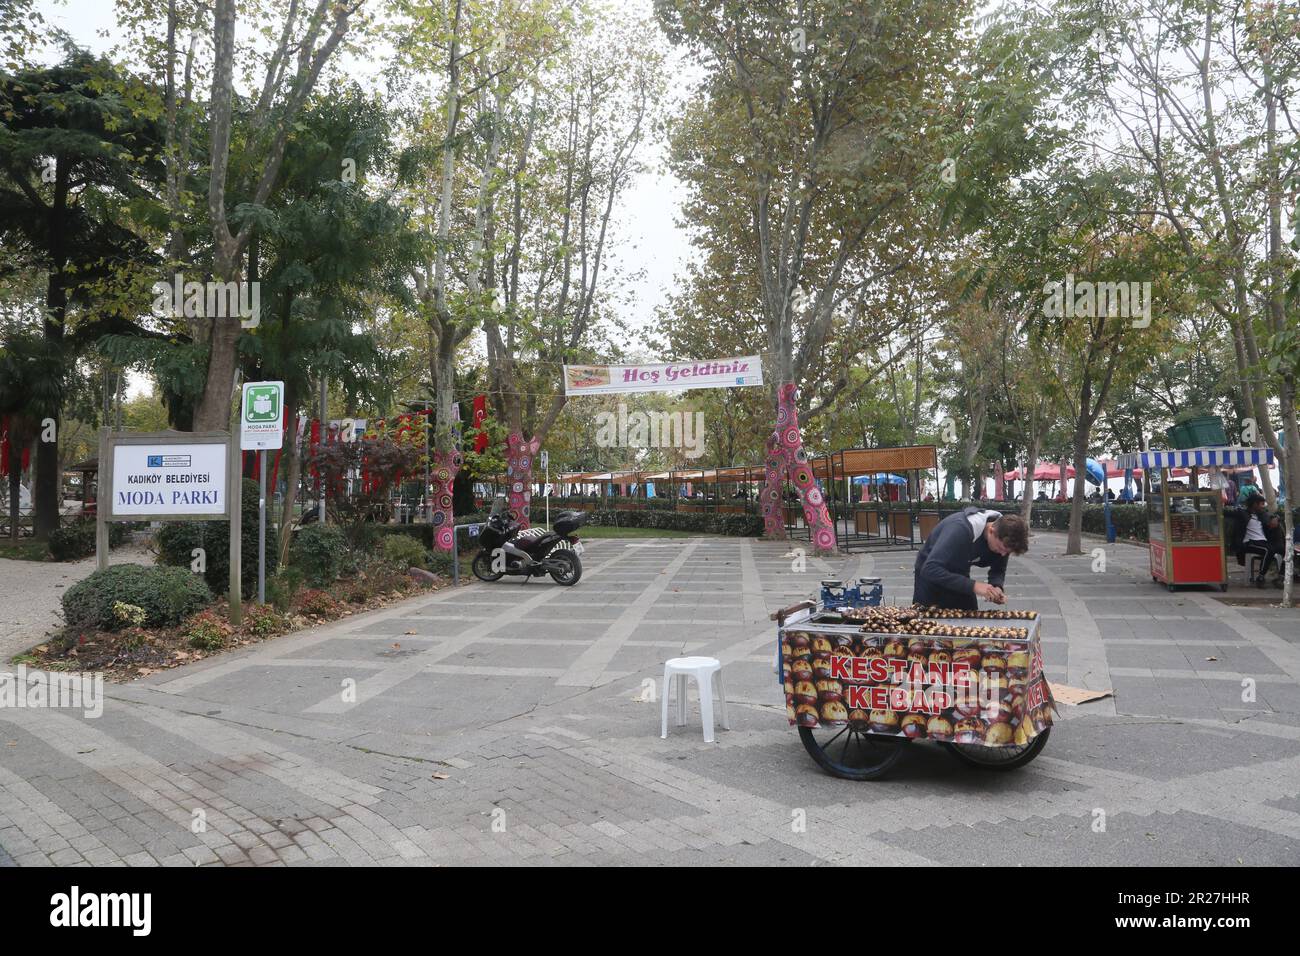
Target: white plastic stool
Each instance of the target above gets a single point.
(702, 669)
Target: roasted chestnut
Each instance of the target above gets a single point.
(834, 711)
(830, 689)
(969, 730)
(998, 734)
(940, 728)
(883, 722)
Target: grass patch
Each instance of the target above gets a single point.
(25, 549)
(609, 531)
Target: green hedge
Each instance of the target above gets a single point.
(423, 533)
(1130, 520)
(167, 595)
(76, 539)
(178, 539)
(743, 526)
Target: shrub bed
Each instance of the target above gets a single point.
(178, 539)
(318, 551)
(165, 595)
(403, 551)
(424, 532)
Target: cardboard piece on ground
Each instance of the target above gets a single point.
(1076, 695)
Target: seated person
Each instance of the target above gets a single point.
(1261, 534)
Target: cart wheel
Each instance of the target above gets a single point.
(1171, 588)
(1223, 586)
(851, 754)
(1000, 758)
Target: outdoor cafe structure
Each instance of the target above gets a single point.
(865, 517)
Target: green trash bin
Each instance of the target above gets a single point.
(1198, 433)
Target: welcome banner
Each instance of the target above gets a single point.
(662, 377)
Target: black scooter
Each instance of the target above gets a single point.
(530, 553)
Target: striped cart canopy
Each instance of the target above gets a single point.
(1225, 457)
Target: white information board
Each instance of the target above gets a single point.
(169, 479)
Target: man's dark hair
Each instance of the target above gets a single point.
(1253, 499)
(1013, 532)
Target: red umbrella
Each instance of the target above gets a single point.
(1114, 471)
(1044, 472)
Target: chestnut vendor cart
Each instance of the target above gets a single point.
(861, 683)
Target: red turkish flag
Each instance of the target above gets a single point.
(480, 414)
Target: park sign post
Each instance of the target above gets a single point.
(169, 476)
(261, 417)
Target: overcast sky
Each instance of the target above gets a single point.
(645, 236)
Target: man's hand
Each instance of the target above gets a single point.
(990, 593)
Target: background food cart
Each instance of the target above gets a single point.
(1185, 525)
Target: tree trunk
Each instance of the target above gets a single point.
(1290, 468)
(786, 458)
(293, 474)
(213, 412)
(447, 457)
(1031, 465)
(15, 464)
(520, 453)
(773, 502)
(1074, 544)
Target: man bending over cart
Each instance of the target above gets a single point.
(969, 538)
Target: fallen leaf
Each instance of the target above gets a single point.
(440, 776)
(1211, 658)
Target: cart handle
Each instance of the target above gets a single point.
(781, 615)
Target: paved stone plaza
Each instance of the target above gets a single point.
(504, 723)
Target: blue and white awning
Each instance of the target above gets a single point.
(1226, 457)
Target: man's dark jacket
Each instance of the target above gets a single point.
(943, 565)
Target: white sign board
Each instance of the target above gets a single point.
(663, 377)
(346, 430)
(169, 479)
(261, 415)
